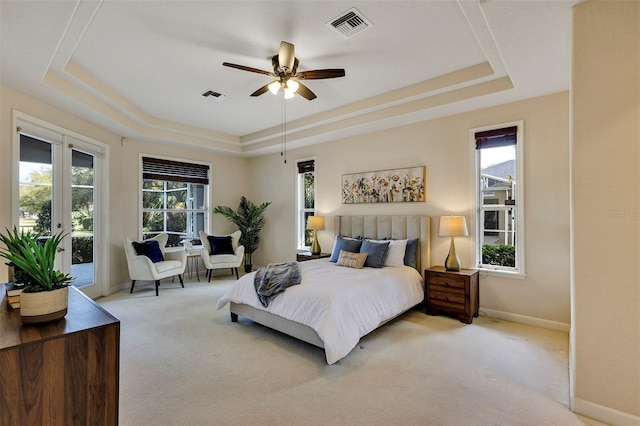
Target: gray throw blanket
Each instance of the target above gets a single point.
(274, 278)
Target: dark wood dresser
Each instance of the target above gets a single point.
(63, 373)
(452, 292)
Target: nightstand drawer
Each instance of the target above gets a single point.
(447, 281)
(436, 296)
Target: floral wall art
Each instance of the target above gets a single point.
(384, 186)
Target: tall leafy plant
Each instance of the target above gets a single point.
(34, 259)
(249, 218)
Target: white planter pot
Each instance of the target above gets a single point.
(44, 306)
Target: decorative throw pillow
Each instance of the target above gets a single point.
(149, 248)
(396, 252)
(376, 252)
(346, 244)
(220, 245)
(351, 260)
(411, 253)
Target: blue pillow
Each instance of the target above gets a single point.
(220, 245)
(346, 244)
(411, 253)
(376, 253)
(149, 248)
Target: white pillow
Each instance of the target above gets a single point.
(395, 253)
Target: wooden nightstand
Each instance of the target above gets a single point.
(301, 257)
(452, 292)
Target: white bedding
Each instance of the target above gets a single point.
(341, 304)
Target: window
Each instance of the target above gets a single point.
(499, 198)
(174, 199)
(306, 201)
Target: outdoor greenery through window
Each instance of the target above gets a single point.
(499, 199)
(174, 199)
(36, 195)
(306, 201)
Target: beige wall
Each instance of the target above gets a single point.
(606, 210)
(443, 145)
(229, 174)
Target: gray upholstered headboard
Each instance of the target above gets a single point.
(396, 227)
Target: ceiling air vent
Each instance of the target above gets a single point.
(215, 95)
(350, 23)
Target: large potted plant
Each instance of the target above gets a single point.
(45, 297)
(249, 218)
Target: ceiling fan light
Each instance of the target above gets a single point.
(274, 87)
(288, 93)
(293, 85)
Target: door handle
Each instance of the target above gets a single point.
(59, 249)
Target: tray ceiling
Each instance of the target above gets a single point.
(139, 68)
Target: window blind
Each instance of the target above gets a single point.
(33, 150)
(306, 166)
(496, 138)
(174, 171)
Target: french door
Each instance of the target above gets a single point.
(59, 190)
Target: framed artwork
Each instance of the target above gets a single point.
(384, 186)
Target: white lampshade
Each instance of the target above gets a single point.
(293, 85)
(288, 93)
(453, 226)
(274, 87)
(315, 222)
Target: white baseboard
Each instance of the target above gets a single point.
(524, 319)
(603, 414)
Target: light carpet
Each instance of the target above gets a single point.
(184, 363)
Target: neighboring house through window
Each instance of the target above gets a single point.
(306, 195)
(174, 199)
(499, 198)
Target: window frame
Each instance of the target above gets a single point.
(519, 270)
(301, 210)
(205, 210)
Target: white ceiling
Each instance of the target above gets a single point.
(139, 68)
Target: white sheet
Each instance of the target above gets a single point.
(341, 304)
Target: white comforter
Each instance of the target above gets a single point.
(341, 304)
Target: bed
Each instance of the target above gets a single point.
(334, 306)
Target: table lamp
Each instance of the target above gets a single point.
(452, 226)
(316, 223)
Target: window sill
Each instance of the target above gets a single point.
(501, 273)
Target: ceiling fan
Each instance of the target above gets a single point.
(287, 76)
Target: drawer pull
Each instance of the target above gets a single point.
(446, 284)
(446, 299)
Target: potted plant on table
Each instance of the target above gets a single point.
(249, 218)
(45, 297)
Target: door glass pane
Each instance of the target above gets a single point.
(36, 185)
(82, 203)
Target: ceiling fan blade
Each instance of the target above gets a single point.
(320, 74)
(244, 68)
(295, 67)
(286, 56)
(305, 92)
(261, 90)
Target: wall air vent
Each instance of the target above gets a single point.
(350, 23)
(215, 95)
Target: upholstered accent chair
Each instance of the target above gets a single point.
(219, 252)
(149, 261)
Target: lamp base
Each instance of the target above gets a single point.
(315, 249)
(452, 263)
